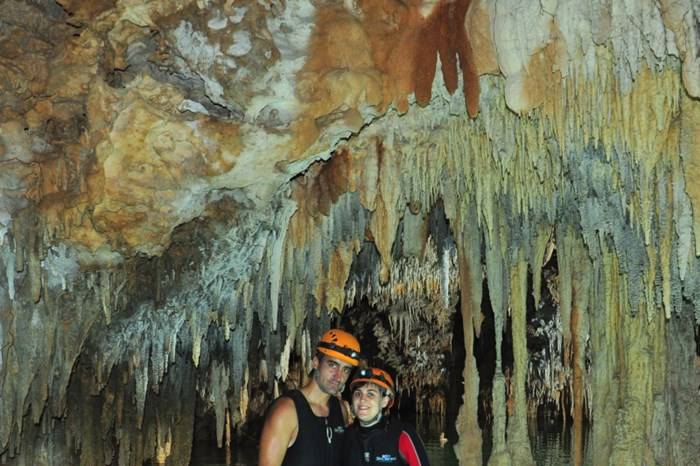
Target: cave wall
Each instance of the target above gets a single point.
(184, 186)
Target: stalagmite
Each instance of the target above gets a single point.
(581, 279)
(468, 449)
(518, 442)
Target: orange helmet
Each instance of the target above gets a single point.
(376, 376)
(341, 345)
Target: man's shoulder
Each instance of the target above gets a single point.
(282, 406)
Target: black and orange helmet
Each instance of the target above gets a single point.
(341, 345)
(376, 376)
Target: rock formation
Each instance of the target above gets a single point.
(187, 188)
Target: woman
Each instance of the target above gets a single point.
(376, 439)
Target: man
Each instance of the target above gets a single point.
(375, 439)
(305, 427)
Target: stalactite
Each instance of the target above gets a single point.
(690, 154)
(384, 222)
(499, 289)
(283, 367)
(547, 383)
(34, 249)
(218, 386)
(137, 406)
(277, 264)
(565, 260)
(443, 36)
(8, 259)
(416, 288)
(415, 233)
(105, 289)
(543, 241)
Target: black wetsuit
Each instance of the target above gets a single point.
(389, 442)
(319, 440)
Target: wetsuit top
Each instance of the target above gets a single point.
(319, 440)
(389, 442)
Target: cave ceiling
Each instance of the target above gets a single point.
(195, 180)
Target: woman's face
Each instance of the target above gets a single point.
(368, 401)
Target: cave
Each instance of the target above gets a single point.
(498, 197)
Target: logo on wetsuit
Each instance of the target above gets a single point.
(385, 458)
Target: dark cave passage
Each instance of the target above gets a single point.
(548, 382)
(424, 352)
(546, 416)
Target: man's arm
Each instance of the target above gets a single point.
(279, 432)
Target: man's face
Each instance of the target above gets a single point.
(331, 374)
(367, 401)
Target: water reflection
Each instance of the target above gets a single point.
(242, 456)
(440, 452)
(217, 457)
(550, 444)
(440, 456)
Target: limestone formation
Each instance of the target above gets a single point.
(191, 191)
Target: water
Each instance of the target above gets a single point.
(242, 456)
(549, 442)
(440, 456)
(248, 457)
